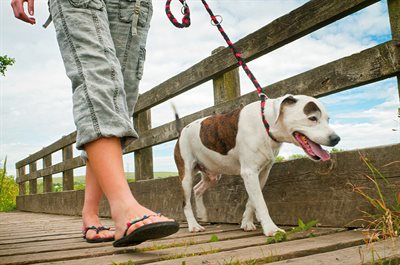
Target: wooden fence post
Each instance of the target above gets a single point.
(226, 86)
(32, 182)
(394, 16)
(47, 180)
(68, 175)
(20, 173)
(144, 157)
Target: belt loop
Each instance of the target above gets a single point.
(49, 19)
(135, 18)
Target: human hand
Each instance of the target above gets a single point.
(19, 12)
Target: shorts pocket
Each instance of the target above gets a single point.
(140, 67)
(89, 4)
(127, 9)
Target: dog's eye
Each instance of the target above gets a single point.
(313, 118)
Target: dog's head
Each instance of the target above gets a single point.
(303, 121)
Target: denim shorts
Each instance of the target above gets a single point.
(102, 43)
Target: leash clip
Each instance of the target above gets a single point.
(262, 95)
(216, 20)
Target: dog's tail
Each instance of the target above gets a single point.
(177, 120)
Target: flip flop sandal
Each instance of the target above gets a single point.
(98, 229)
(146, 232)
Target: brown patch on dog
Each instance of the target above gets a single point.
(180, 164)
(218, 132)
(311, 107)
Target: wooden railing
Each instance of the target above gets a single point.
(371, 65)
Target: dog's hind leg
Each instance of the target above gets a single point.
(207, 181)
(187, 183)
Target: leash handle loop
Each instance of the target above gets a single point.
(185, 11)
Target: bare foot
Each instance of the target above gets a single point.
(90, 220)
(135, 213)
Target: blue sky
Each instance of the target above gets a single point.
(36, 106)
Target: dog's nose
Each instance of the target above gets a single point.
(334, 139)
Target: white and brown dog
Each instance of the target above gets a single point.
(237, 143)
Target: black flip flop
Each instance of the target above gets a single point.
(146, 232)
(98, 229)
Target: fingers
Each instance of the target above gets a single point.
(18, 9)
(31, 7)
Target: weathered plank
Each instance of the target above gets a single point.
(139, 255)
(375, 253)
(312, 16)
(221, 252)
(67, 175)
(54, 147)
(226, 86)
(368, 66)
(57, 168)
(32, 182)
(144, 157)
(21, 185)
(295, 189)
(394, 17)
(47, 180)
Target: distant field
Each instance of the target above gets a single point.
(129, 175)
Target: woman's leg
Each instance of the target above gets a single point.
(90, 211)
(108, 169)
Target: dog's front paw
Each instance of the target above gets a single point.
(272, 230)
(248, 226)
(193, 228)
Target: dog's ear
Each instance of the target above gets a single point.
(281, 102)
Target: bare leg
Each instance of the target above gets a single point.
(105, 156)
(90, 211)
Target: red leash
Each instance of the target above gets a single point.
(186, 23)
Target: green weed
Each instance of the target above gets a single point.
(384, 222)
(301, 226)
(214, 238)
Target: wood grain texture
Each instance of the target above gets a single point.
(144, 157)
(47, 180)
(67, 175)
(54, 147)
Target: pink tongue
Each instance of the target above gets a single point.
(318, 151)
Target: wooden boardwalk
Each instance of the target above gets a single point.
(31, 238)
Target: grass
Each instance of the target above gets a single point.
(8, 190)
(384, 221)
(79, 181)
(301, 227)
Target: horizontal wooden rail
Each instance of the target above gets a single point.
(310, 17)
(54, 147)
(54, 169)
(368, 66)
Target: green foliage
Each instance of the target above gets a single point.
(385, 220)
(8, 190)
(124, 263)
(279, 159)
(296, 156)
(5, 61)
(336, 150)
(214, 238)
(301, 226)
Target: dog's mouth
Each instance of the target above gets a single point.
(311, 148)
